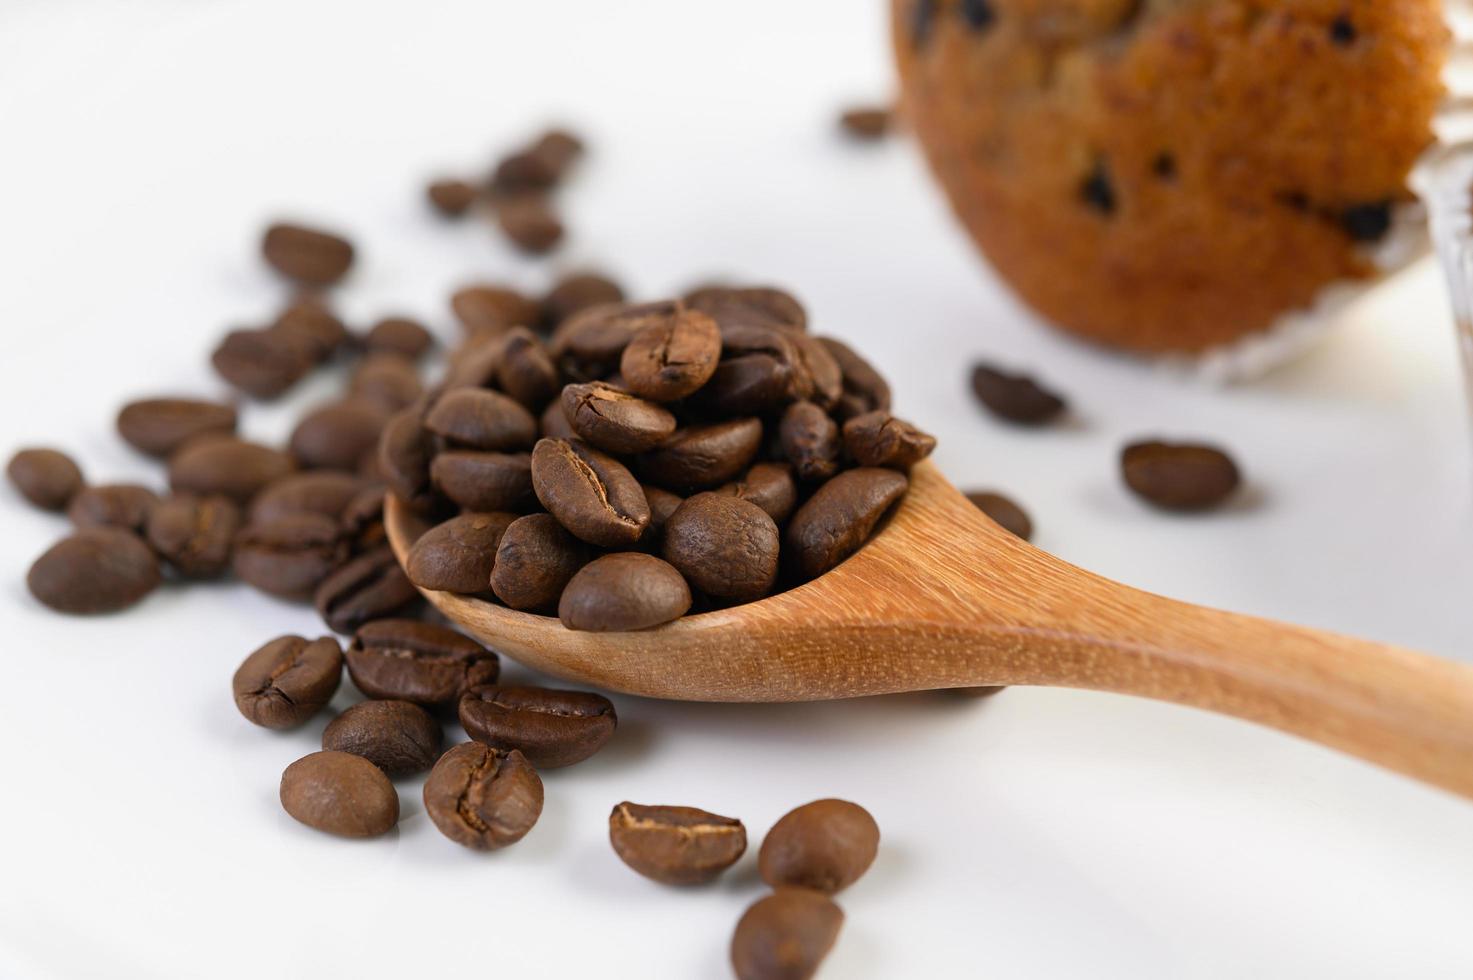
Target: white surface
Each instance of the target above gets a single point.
(1039, 834)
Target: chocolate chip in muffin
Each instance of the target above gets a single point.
(1367, 222)
(1342, 31)
(1098, 191)
(978, 14)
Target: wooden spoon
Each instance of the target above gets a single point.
(943, 597)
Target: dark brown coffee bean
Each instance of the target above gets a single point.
(308, 255)
(261, 363)
(289, 556)
(703, 456)
(863, 389)
(483, 798)
(474, 363)
(676, 845)
(457, 556)
(493, 309)
(554, 423)
(230, 467)
(399, 335)
(405, 660)
(591, 494)
(838, 519)
(821, 375)
(590, 344)
(623, 591)
(558, 148)
(96, 570)
(194, 534)
(336, 436)
(313, 328)
(880, 439)
(321, 492)
(478, 419)
(662, 503)
(124, 505)
(673, 356)
(530, 222)
(769, 486)
(825, 845)
(521, 173)
(340, 794)
(451, 197)
(724, 545)
(159, 426)
(525, 371)
(785, 936)
(760, 306)
(288, 680)
(614, 420)
(866, 123)
(1015, 397)
(534, 562)
(363, 519)
(1179, 476)
(399, 737)
(387, 380)
(47, 478)
(371, 586)
(405, 449)
(760, 371)
(810, 441)
(551, 728)
(577, 292)
(1005, 512)
(485, 481)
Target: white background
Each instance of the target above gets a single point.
(1038, 834)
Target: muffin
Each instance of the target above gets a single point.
(1176, 176)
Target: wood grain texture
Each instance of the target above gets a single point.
(943, 597)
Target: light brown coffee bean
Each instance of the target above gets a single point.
(810, 441)
(1015, 397)
(226, 466)
(676, 845)
(673, 356)
(387, 380)
(159, 426)
(457, 556)
(474, 418)
(624, 591)
(614, 420)
(867, 124)
(725, 546)
(1179, 476)
(95, 570)
(590, 493)
(576, 292)
(785, 936)
(123, 505)
(261, 363)
(450, 197)
(485, 481)
(880, 439)
(287, 681)
(194, 535)
(825, 845)
(769, 486)
(535, 560)
(837, 520)
(312, 328)
(308, 255)
(483, 798)
(529, 221)
(406, 660)
(47, 478)
(493, 309)
(336, 436)
(399, 335)
(340, 794)
(399, 737)
(552, 728)
(702, 456)
(761, 306)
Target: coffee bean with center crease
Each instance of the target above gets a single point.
(193, 534)
(769, 486)
(47, 478)
(287, 681)
(261, 363)
(724, 545)
(457, 556)
(676, 845)
(673, 356)
(825, 845)
(1004, 511)
(551, 728)
(833, 523)
(534, 562)
(528, 219)
(400, 336)
(371, 586)
(341, 794)
(590, 344)
(577, 292)
(614, 420)
(624, 591)
(1015, 397)
(320, 492)
(483, 798)
(494, 309)
(862, 387)
(591, 494)
(474, 418)
(703, 456)
(405, 449)
(312, 327)
(485, 481)
(526, 371)
(95, 570)
(404, 660)
(159, 426)
(386, 380)
(307, 255)
(662, 503)
(785, 936)
(761, 306)
(289, 556)
(399, 737)
(810, 441)
(336, 436)
(124, 505)
(880, 439)
(760, 371)
(1179, 476)
(230, 467)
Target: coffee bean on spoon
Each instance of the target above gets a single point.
(474, 418)
(289, 556)
(308, 255)
(457, 556)
(336, 436)
(483, 798)
(95, 570)
(159, 426)
(769, 486)
(1015, 397)
(760, 371)
(1004, 511)
(405, 450)
(862, 388)
(833, 523)
(481, 481)
(227, 466)
(399, 737)
(614, 420)
(672, 356)
(554, 423)
(725, 546)
(287, 681)
(785, 936)
(624, 591)
(662, 503)
(526, 371)
(676, 845)
(552, 728)
(195, 535)
(47, 478)
(879, 439)
(340, 794)
(590, 344)
(371, 586)
(700, 457)
(589, 492)
(535, 560)
(810, 441)
(576, 292)
(122, 505)
(749, 306)
(825, 845)
(1179, 476)
(405, 660)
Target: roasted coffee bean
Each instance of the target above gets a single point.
(159, 426)
(590, 344)
(810, 441)
(760, 306)
(485, 481)
(577, 292)
(289, 556)
(457, 556)
(825, 845)
(261, 363)
(522, 172)
(624, 591)
(47, 478)
(321, 492)
(703, 456)
(399, 737)
(676, 845)
(451, 197)
(1015, 397)
(1179, 476)
(341, 794)
(760, 371)
(404, 660)
(833, 523)
(1005, 512)
(534, 562)
(308, 255)
(769, 486)
(525, 371)
(866, 123)
(405, 449)
(880, 439)
(336, 436)
(194, 534)
(475, 362)
(863, 389)
(398, 335)
(614, 420)
(483, 798)
(785, 936)
(371, 586)
(288, 680)
(363, 519)
(591, 494)
(474, 418)
(387, 380)
(124, 505)
(558, 148)
(226, 466)
(673, 356)
(551, 728)
(95, 570)
(725, 546)
(313, 328)
(530, 222)
(493, 309)
(820, 372)
(662, 503)
(554, 423)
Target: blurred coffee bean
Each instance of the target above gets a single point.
(337, 435)
(193, 534)
(810, 441)
(289, 556)
(227, 466)
(494, 309)
(287, 681)
(1004, 511)
(662, 503)
(554, 423)
(122, 505)
(95, 570)
(879, 439)
(866, 123)
(761, 306)
(405, 450)
(614, 420)
(159, 426)
(863, 388)
(589, 345)
(49, 479)
(474, 418)
(1179, 476)
(371, 586)
(261, 363)
(576, 292)
(526, 371)
(313, 328)
(1015, 397)
(387, 380)
(307, 255)
(322, 492)
(451, 197)
(529, 221)
(398, 335)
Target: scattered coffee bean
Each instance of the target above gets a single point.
(123, 505)
(194, 534)
(371, 586)
(399, 737)
(837, 519)
(47, 478)
(398, 335)
(387, 380)
(404, 660)
(1004, 511)
(577, 292)
(749, 306)
(457, 556)
(810, 440)
(725, 546)
(1179, 476)
(529, 221)
(308, 255)
(1015, 397)
(703, 456)
(880, 439)
(671, 357)
(624, 591)
(95, 570)
(483, 798)
(785, 936)
(534, 563)
(769, 486)
(287, 681)
(227, 466)
(551, 728)
(313, 328)
(493, 309)
(340, 794)
(289, 556)
(321, 492)
(451, 197)
(336, 436)
(825, 845)
(485, 481)
(159, 426)
(261, 363)
(676, 845)
(614, 420)
(867, 123)
(474, 418)
(863, 389)
(590, 493)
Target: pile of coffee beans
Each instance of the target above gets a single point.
(518, 192)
